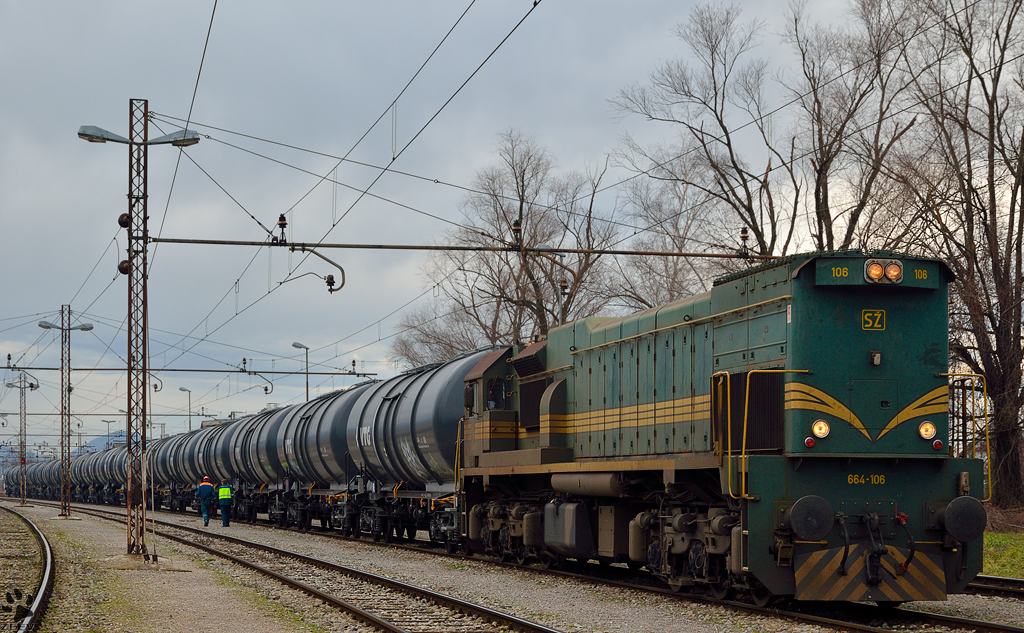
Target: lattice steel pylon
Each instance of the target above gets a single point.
(22, 428)
(22, 384)
(65, 411)
(138, 326)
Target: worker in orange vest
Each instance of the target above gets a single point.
(205, 494)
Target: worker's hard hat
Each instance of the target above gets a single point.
(206, 479)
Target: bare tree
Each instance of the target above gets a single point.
(850, 94)
(674, 212)
(719, 106)
(508, 297)
(966, 173)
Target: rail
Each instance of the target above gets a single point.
(37, 609)
(449, 602)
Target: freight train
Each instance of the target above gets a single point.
(786, 434)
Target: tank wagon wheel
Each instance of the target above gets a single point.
(410, 533)
(325, 523)
(346, 529)
(451, 544)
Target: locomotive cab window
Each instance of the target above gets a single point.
(496, 394)
(469, 398)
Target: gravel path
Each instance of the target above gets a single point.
(99, 589)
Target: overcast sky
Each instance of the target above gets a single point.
(314, 75)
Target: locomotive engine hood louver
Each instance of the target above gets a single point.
(530, 361)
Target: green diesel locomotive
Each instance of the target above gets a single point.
(786, 434)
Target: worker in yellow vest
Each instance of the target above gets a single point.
(224, 493)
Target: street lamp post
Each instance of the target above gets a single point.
(301, 346)
(65, 328)
(108, 423)
(22, 384)
(135, 221)
(189, 406)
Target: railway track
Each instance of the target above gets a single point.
(387, 604)
(847, 617)
(24, 589)
(997, 586)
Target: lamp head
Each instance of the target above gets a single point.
(299, 346)
(95, 134)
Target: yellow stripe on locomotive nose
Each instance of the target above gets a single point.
(817, 576)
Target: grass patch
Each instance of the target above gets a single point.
(1004, 554)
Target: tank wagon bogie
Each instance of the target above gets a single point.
(787, 433)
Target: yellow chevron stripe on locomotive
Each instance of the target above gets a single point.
(822, 575)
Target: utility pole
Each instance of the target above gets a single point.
(138, 344)
(65, 402)
(22, 384)
(136, 222)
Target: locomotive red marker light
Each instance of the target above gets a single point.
(809, 442)
(937, 445)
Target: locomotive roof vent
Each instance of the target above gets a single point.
(530, 361)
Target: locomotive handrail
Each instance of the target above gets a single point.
(988, 444)
(746, 416)
(728, 423)
(684, 323)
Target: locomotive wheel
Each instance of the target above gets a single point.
(888, 604)
(521, 555)
(451, 545)
(346, 531)
(325, 523)
(761, 596)
(389, 532)
(634, 565)
(721, 591)
(376, 536)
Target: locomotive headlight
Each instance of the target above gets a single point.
(894, 271)
(874, 271)
(926, 430)
(820, 429)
